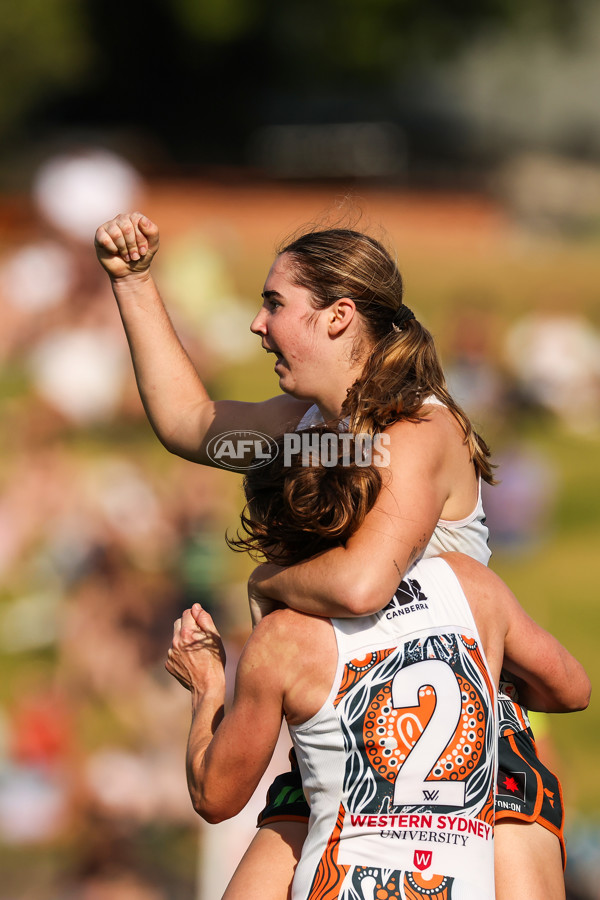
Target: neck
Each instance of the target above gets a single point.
(329, 413)
(330, 402)
(336, 381)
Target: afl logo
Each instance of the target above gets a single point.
(242, 450)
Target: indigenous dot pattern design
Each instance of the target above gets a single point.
(382, 884)
(390, 734)
(379, 737)
(356, 669)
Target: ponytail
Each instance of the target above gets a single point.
(402, 371)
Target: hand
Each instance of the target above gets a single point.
(260, 603)
(127, 244)
(197, 655)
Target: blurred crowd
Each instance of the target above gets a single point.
(105, 538)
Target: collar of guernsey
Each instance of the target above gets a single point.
(468, 535)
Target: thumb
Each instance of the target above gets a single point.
(202, 618)
(148, 227)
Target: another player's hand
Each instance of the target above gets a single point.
(126, 244)
(260, 603)
(197, 655)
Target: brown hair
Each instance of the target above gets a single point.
(294, 510)
(402, 368)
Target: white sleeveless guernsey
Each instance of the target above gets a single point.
(398, 765)
(468, 535)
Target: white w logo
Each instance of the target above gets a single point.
(422, 859)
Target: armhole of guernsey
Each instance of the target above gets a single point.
(432, 400)
(328, 703)
(477, 510)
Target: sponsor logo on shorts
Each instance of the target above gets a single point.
(511, 785)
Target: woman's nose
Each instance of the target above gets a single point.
(258, 324)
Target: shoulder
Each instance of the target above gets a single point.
(476, 579)
(433, 453)
(276, 625)
(427, 446)
(438, 418)
(286, 630)
(311, 417)
(484, 589)
(287, 658)
(466, 568)
(282, 413)
(434, 420)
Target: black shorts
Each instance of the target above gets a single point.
(526, 789)
(285, 798)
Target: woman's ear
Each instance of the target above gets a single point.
(339, 316)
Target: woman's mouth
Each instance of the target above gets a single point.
(279, 358)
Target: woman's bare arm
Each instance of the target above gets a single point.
(361, 577)
(176, 402)
(550, 679)
(228, 754)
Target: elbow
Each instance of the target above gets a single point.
(213, 801)
(577, 698)
(582, 698)
(356, 586)
(177, 448)
(360, 597)
(580, 689)
(210, 816)
(211, 810)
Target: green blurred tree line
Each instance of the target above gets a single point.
(201, 73)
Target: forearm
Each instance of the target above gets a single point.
(207, 714)
(538, 700)
(564, 687)
(175, 400)
(228, 755)
(339, 583)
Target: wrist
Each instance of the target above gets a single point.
(131, 282)
(208, 691)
